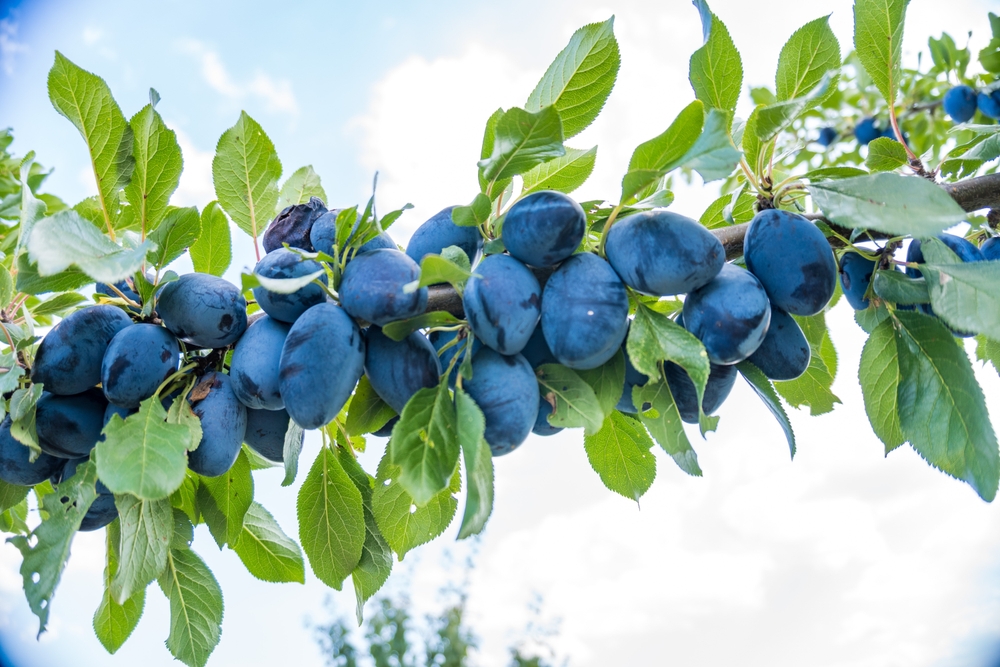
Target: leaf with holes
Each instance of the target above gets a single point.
(574, 403)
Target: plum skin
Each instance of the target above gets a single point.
(989, 103)
(14, 465)
(867, 131)
(293, 225)
(69, 358)
(439, 232)
(966, 251)
(203, 310)
(398, 369)
(254, 367)
(544, 228)
(633, 378)
(537, 351)
(506, 390)
(223, 427)
(138, 360)
(784, 353)
(827, 136)
(542, 426)
(265, 433)
(283, 263)
(856, 274)
(721, 379)
(730, 315)
(663, 253)
(69, 426)
(960, 103)
(502, 302)
(372, 287)
(323, 236)
(990, 249)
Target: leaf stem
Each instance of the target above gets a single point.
(607, 227)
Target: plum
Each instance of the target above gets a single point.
(122, 286)
(663, 253)
(792, 259)
(254, 365)
(633, 378)
(960, 103)
(138, 360)
(542, 425)
(324, 236)
(292, 226)
(100, 513)
(827, 135)
(502, 302)
(855, 275)
(372, 287)
(867, 131)
(223, 425)
(544, 228)
(203, 310)
(730, 315)
(967, 252)
(784, 353)
(441, 338)
(537, 351)
(439, 232)
(283, 263)
(14, 465)
(990, 249)
(265, 433)
(584, 312)
(398, 369)
(720, 382)
(67, 471)
(989, 103)
(506, 390)
(386, 429)
(69, 426)
(68, 360)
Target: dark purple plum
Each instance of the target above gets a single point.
(544, 228)
(69, 469)
(255, 362)
(439, 232)
(506, 390)
(265, 433)
(68, 360)
(989, 103)
(867, 131)
(827, 136)
(856, 274)
(203, 310)
(372, 287)
(441, 338)
(990, 249)
(960, 103)
(584, 312)
(223, 426)
(792, 259)
(502, 302)
(138, 360)
(292, 226)
(720, 383)
(69, 426)
(321, 362)
(967, 252)
(122, 286)
(663, 253)
(542, 425)
(398, 369)
(730, 315)
(14, 465)
(283, 263)
(784, 353)
(100, 513)
(633, 378)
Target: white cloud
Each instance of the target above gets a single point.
(196, 187)
(9, 46)
(92, 35)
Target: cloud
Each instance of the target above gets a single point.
(196, 187)
(9, 46)
(277, 94)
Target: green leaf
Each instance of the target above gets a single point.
(765, 390)
(813, 388)
(400, 329)
(756, 152)
(14, 520)
(403, 524)
(22, 415)
(811, 52)
(436, 269)
(713, 155)
(523, 140)
(113, 622)
(885, 154)
(266, 551)
(224, 501)
(185, 498)
(474, 214)
(620, 454)
(245, 171)
(30, 282)
(299, 187)
(663, 421)
(478, 465)
(158, 166)
(195, 607)
(652, 159)
(574, 403)
(897, 287)
(580, 79)
(11, 495)
(963, 294)
(212, 251)
(331, 520)
(942, 410)
(879, 376)
(878, 41)
(58, 304)
(424, 444)
(6, 287)
(988, 349)
(86, 101)
(564, 174)
(146, 527)
(368, 412)
(10, 378)
(489, 139)
(871, 317)
(178, 231)
(716, 71)
(32, 209)
(888, 203)
(775, 117)
(44, 553)
(290, 452)
(145, 455)
(66, 240)
(607, 381)
(724, 213)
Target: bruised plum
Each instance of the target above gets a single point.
(223, 425)
(502, 302)
(138, 360)
(506, 390)
(292, 226)
(203, 310)
(68, 360)
(69, 426)
(254, 365)
(398, 369)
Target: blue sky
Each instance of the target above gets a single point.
(844, 557)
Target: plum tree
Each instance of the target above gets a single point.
(544, 228)
(729, 315)
(255, 365)
(502, 302)
(282, 264)
(69, 358)
(203, 310)
(138, 360)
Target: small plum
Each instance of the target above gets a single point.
(69, 358)
(69, 426)
(855, 275)
(867, 131)
(254, 368)
(721, 379)
(989, 103)
(542, 425)
(398, 369)
(203, 310)
(960, 103)
(265, 433)
(283, 263)
(784, 353)
(138, 360)
(15, 468)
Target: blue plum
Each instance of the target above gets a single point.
(720, 382)
(14, 465)
(584, 312)
(784, 353)
(990, 249)
(439, 232)
(398, 369)
(663, 253)
(372, 287)
(544, 228)
(967, 252)
(502, 302)
(255, 362)
(867, 131)
(69, 426)
(100, 513)
(321, 362)
(292, 226)
(386, 429)
(203, 310)
(855, 275)
(989, 103)
(67, 471)
(542, 425)
(223, 425)
(537, 351)
(792, 259)
(730, 315)
(68, 360)
(122, 286)
(441, 338)
(138, 360)
(324, 236)
(265, 433)
(960, 103)
(506, 390)
(827, 135)
(633, 378)
(283, 263)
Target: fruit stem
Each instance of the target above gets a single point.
(607, 227)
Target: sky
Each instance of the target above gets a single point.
(843, 557)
